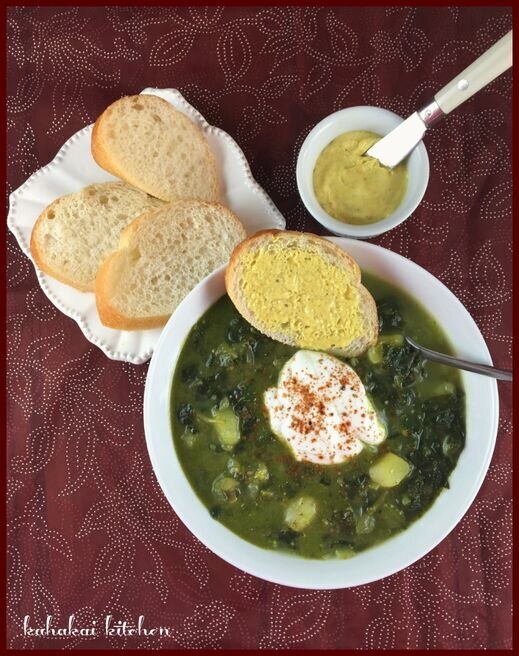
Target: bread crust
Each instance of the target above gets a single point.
(109, 315)
(39, 259)
(333, 251)
(36, 246)
(103, 158)
(96, 145)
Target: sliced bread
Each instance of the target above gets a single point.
(302, 290)
(76, 232)
(162, 255)
(147, 142)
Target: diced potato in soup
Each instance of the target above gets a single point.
(300, 513)
(389, 471)
(311, 453)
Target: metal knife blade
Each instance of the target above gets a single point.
(396, 145)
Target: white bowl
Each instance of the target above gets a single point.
(373, 119)
(397, 552)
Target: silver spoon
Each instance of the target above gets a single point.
(484, 369)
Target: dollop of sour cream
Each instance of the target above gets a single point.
(320, 409)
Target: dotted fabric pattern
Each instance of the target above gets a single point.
(89, 532)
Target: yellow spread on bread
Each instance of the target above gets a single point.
(303, 295)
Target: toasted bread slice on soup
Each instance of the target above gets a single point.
(76, 232)
(147, 142)
(303, 290)
(162, 255)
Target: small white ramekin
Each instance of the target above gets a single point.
(373, 119)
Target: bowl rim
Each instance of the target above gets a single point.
(340, 228)
(277, 567)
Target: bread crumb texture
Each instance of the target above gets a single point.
(77, 232)
(147, 142)
(296, 290)
(161, 257)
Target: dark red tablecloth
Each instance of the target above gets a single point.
(89, 531)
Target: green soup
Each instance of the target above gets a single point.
(250, 481)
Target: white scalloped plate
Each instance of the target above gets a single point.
(74, 168)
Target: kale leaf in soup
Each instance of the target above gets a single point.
(249, 479)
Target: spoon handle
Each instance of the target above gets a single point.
(484, 369)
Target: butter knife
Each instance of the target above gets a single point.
(396, 145)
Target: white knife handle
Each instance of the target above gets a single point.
(486, 68)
